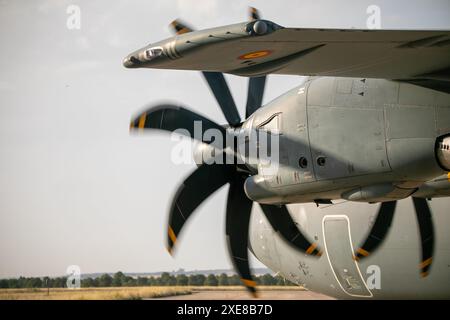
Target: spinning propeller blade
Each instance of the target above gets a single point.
(383, 222)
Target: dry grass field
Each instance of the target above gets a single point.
(119, 293)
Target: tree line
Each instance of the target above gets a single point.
(119, 279)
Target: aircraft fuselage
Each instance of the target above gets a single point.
(366, 140)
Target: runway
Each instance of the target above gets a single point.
(243, 295)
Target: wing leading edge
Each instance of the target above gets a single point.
(262, 47)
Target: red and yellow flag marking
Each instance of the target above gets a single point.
(255, 55)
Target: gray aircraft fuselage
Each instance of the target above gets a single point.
(362, 140)
(366, 140)
(392, 272)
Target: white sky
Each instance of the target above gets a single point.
(75, 187)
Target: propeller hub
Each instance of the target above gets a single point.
(221, 151)
(204, 153)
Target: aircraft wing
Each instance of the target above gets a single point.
(245, 49)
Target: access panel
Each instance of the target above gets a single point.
(339, 252)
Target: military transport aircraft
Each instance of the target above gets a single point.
(371, 124)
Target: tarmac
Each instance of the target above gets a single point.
(244, 295)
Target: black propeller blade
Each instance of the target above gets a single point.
(179, 27)
(255, 94)
(383, 222)
(239, 208)
(256, 84)
(221, 91)
(191, 193)
(281, 221)
(217, 83)
(426, 230)
(220, 88)
(170, 118)
(379, 229)
(254, 14)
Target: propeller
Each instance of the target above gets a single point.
(208, 178)
(383, 222)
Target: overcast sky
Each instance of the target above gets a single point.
(75, 187)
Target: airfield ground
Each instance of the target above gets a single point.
(179, 293)
(293, 293)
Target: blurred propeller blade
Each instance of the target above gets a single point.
(221, 91)
(378, 231)
(254, 14)
(179, 27)
(256, 84)
(239, 208)
(255, 94)
(170, 118)
(282, 222)
(426, 229)
(217, 83)
(203, 182)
